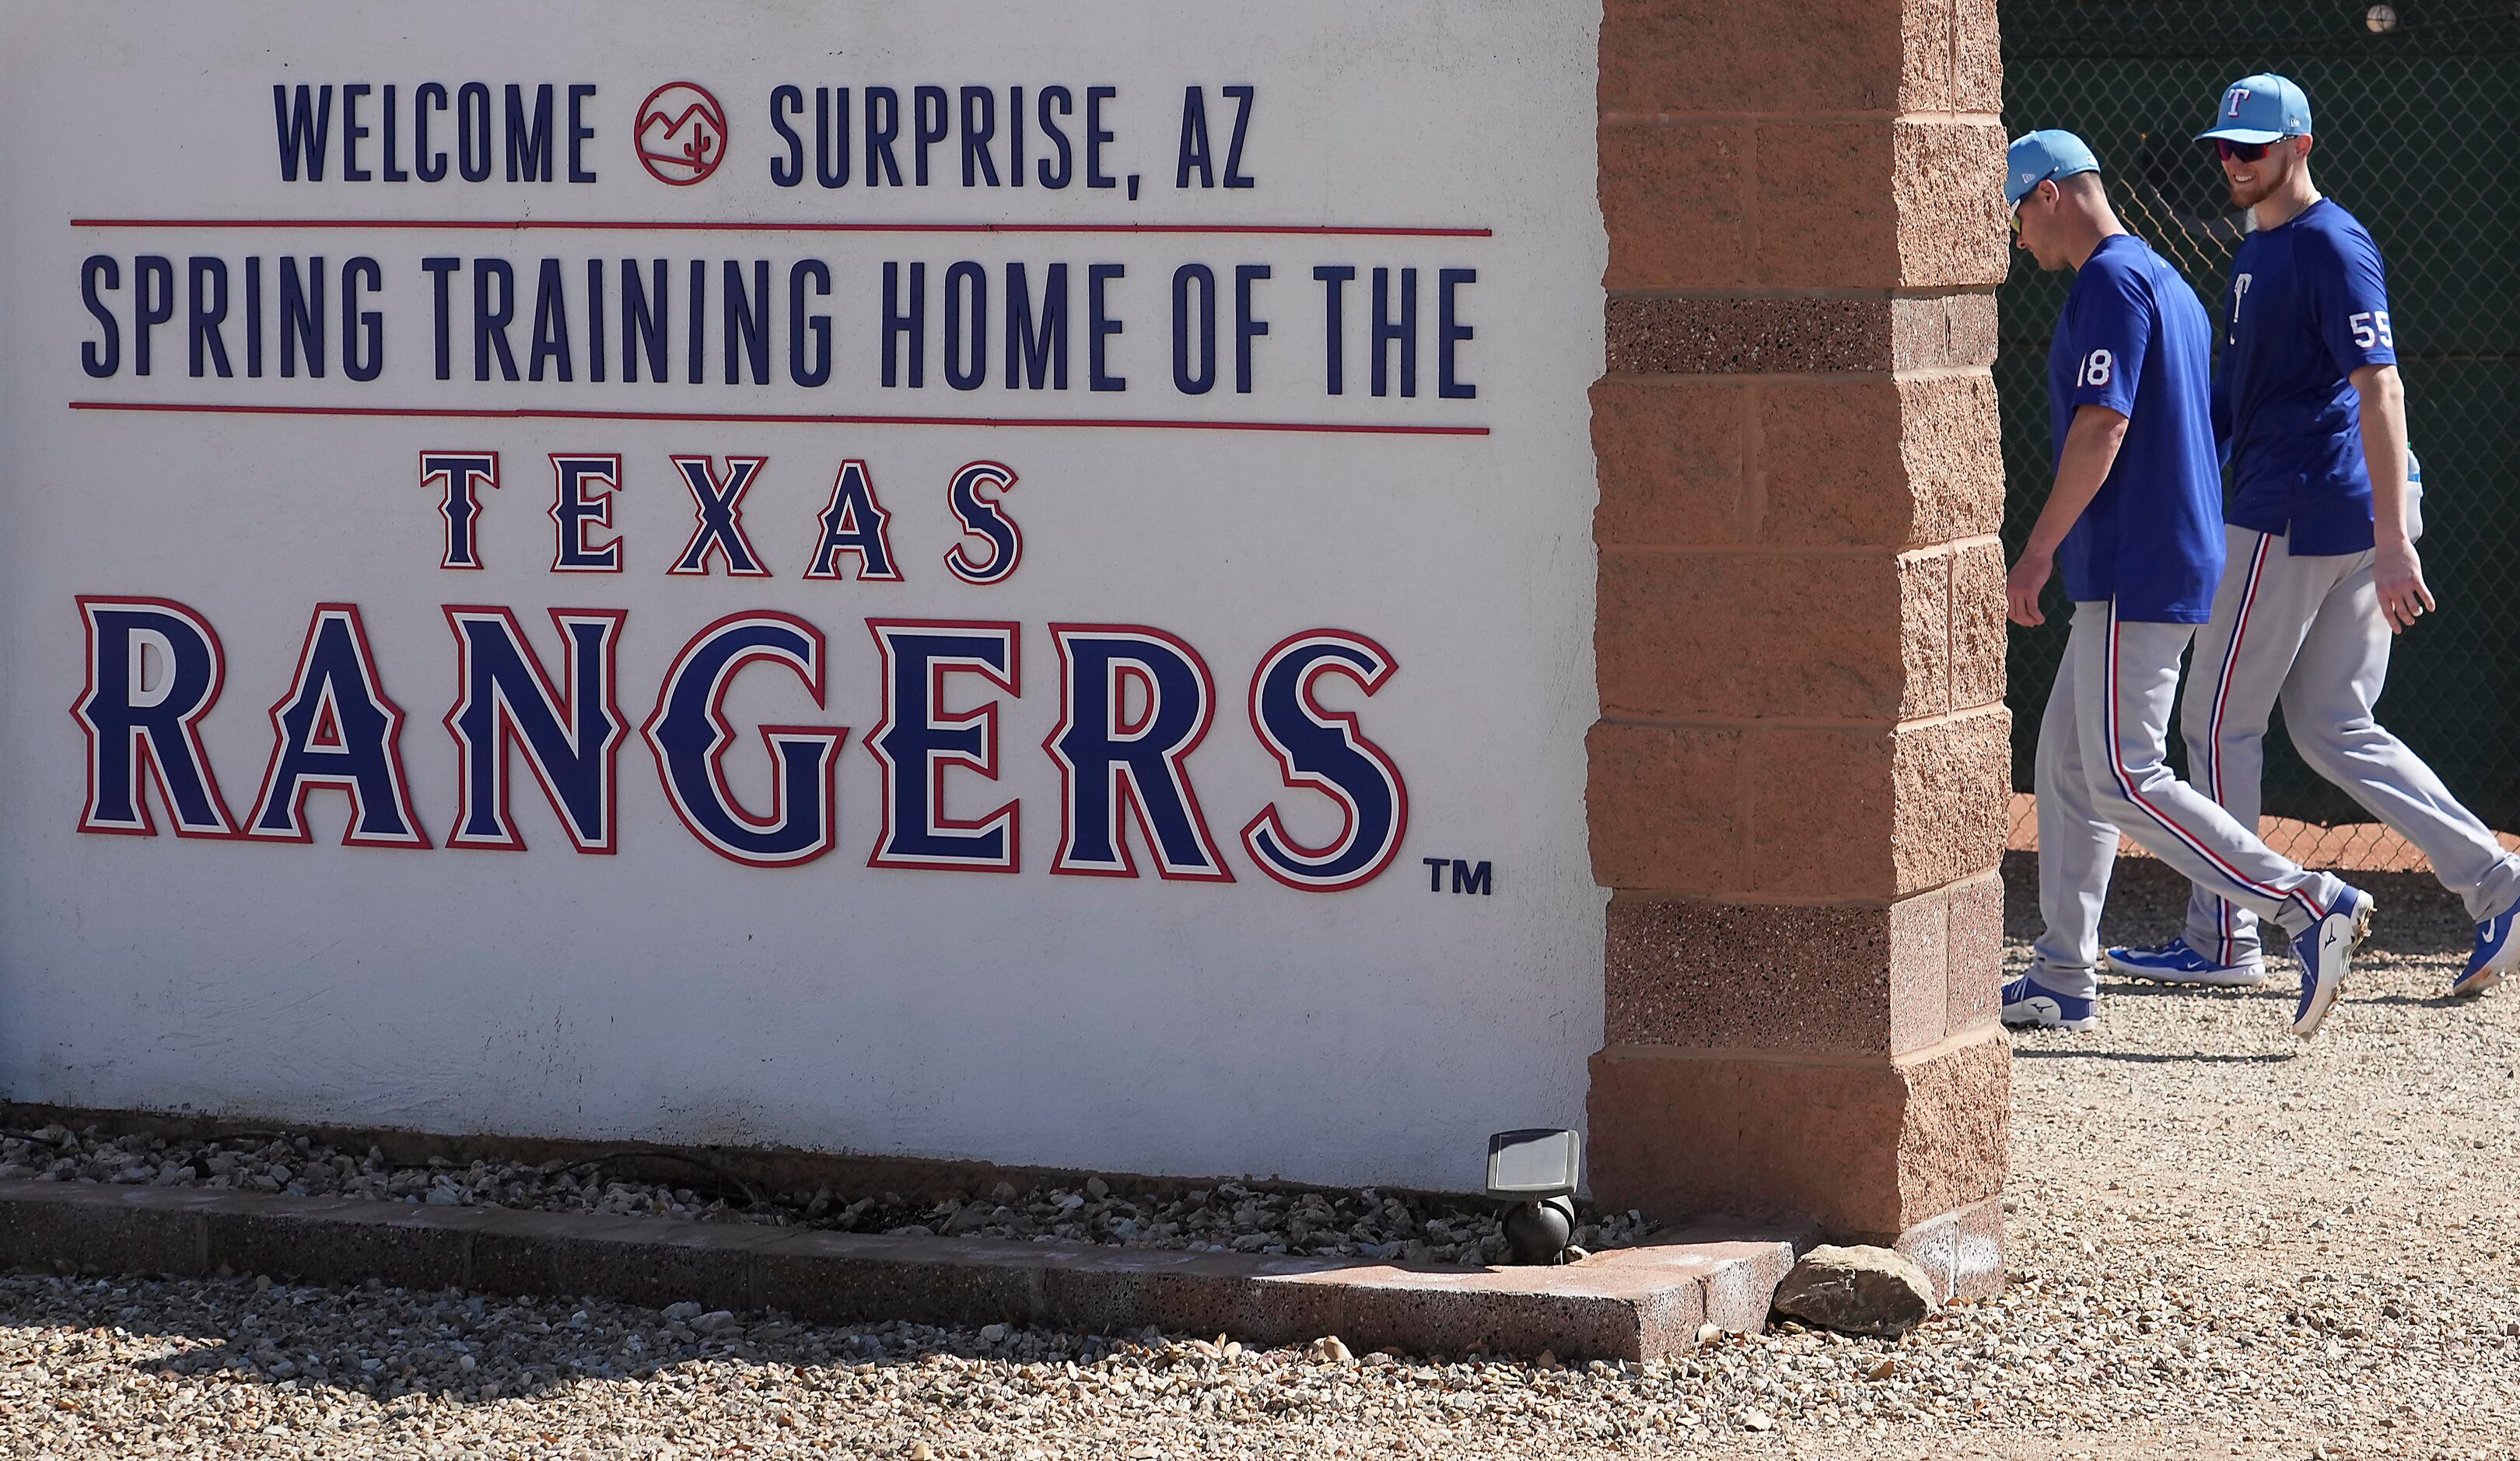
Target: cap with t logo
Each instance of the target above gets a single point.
(2260, 108)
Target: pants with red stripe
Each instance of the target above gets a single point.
(2308, 632)
(2101, 773)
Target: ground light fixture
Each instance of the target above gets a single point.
(1534, 1170)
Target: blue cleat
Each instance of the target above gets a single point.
(2497, 955)
(2175, 963)
(2029, 1002)
(2326, 951)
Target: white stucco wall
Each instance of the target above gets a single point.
(665, 992)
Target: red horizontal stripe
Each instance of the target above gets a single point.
(541, 413)
(661, 225)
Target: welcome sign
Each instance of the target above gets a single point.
(964, 580)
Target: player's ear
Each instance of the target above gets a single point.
(2304, 141)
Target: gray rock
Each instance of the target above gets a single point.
(1856, 1290)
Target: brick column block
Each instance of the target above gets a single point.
(1818, 462)
(1714, 975)
(1951, 224)
(1694, 203)
(1787, 56)
(1799, 780)
(1873, 1147)
(1764, 812)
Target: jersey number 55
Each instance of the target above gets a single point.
(2371, 328)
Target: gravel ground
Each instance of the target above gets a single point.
(2221, 1244)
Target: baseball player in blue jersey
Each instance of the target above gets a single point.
(2135, 525)
(2321, 545)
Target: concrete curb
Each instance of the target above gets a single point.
(1635, 1303)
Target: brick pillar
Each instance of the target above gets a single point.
(1799, 777)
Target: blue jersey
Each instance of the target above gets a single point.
(2308, 306)
(2132, 337)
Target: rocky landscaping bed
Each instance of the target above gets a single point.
(1365, 1223)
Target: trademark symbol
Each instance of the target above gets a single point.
(1467, 875)
(681, 133)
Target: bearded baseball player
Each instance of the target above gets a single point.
(2320, 540)
(2134, 524)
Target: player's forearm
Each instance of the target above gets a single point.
(2091, 450)
(2384, 448)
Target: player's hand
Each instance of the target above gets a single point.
(2021, 587)
(2398, 575)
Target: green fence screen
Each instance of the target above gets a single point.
(2416, 108)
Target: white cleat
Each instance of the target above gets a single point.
(2326, 952)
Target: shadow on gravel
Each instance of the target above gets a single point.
(454, 1347)
(2146, 990)
(2416, 1001)
(2152, 1058)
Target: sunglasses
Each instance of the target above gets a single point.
(2025, 197)
(2240, 151)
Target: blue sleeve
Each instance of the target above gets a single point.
(2112, 326)
(2352, 292)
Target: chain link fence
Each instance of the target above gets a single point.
(2416, 108)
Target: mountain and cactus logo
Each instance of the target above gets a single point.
(681, 133)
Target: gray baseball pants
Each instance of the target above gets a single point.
(2308, 632)
(2100, 770)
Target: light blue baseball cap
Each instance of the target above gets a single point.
(2041, 156)
(2264, 107)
